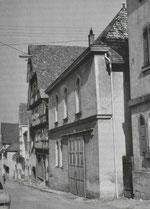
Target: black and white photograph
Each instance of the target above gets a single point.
(74, 104)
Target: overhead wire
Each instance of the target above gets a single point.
(12, 47)
(44, 43)
(37, 31)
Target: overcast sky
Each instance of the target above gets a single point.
(63, 22)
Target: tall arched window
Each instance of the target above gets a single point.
(142, 134)
(78, 95)
(148, 133)
(56, 109)
(65, 101)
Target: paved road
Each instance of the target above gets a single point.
(23, 197)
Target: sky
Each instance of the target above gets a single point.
(59, 22)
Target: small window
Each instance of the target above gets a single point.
(56, 109)
(146, 43)
(142, 135)
(78, 95)
(65, 101)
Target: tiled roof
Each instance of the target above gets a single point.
(117, 29)
(10, 133)
(50, 61)
(13, 148)
(115, 36)
(23, 114)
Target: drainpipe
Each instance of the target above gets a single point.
(109, 65)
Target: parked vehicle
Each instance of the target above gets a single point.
(5, 199)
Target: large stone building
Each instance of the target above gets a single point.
(89, 120)
(139, 49)
(42, 69)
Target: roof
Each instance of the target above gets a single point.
(115, 36)
(10, 133)
(13, 148)
(23, 114)
(114, 40)
(117, 29)
(49, 61)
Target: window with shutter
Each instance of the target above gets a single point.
(146, 43)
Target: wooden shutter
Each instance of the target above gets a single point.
(149, 43)
(146, 54)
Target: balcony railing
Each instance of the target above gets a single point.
(38, 119)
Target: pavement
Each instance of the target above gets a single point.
(121, 203)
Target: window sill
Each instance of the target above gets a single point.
(147, 155)
(59, 166)
(146, 68)
(65, 119)
(78, 114)
(56, 123)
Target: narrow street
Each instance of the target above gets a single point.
(24, 197)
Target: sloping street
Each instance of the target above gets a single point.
(24, 197)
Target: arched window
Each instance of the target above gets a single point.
(65, 101)
(78, 95)
(148, 133)
(142, 135)
(56, 109)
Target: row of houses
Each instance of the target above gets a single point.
(15, 147)
(89, 127)
(80, 120)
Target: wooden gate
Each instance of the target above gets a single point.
(76, 166)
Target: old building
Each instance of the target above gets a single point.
(89, 118)
(24, 139)
(139, 50)
(41, 67)
(10, 147)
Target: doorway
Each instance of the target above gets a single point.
(76, 166)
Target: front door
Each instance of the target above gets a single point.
(76, 166)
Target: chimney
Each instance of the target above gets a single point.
(91, 37)
(123, 5)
